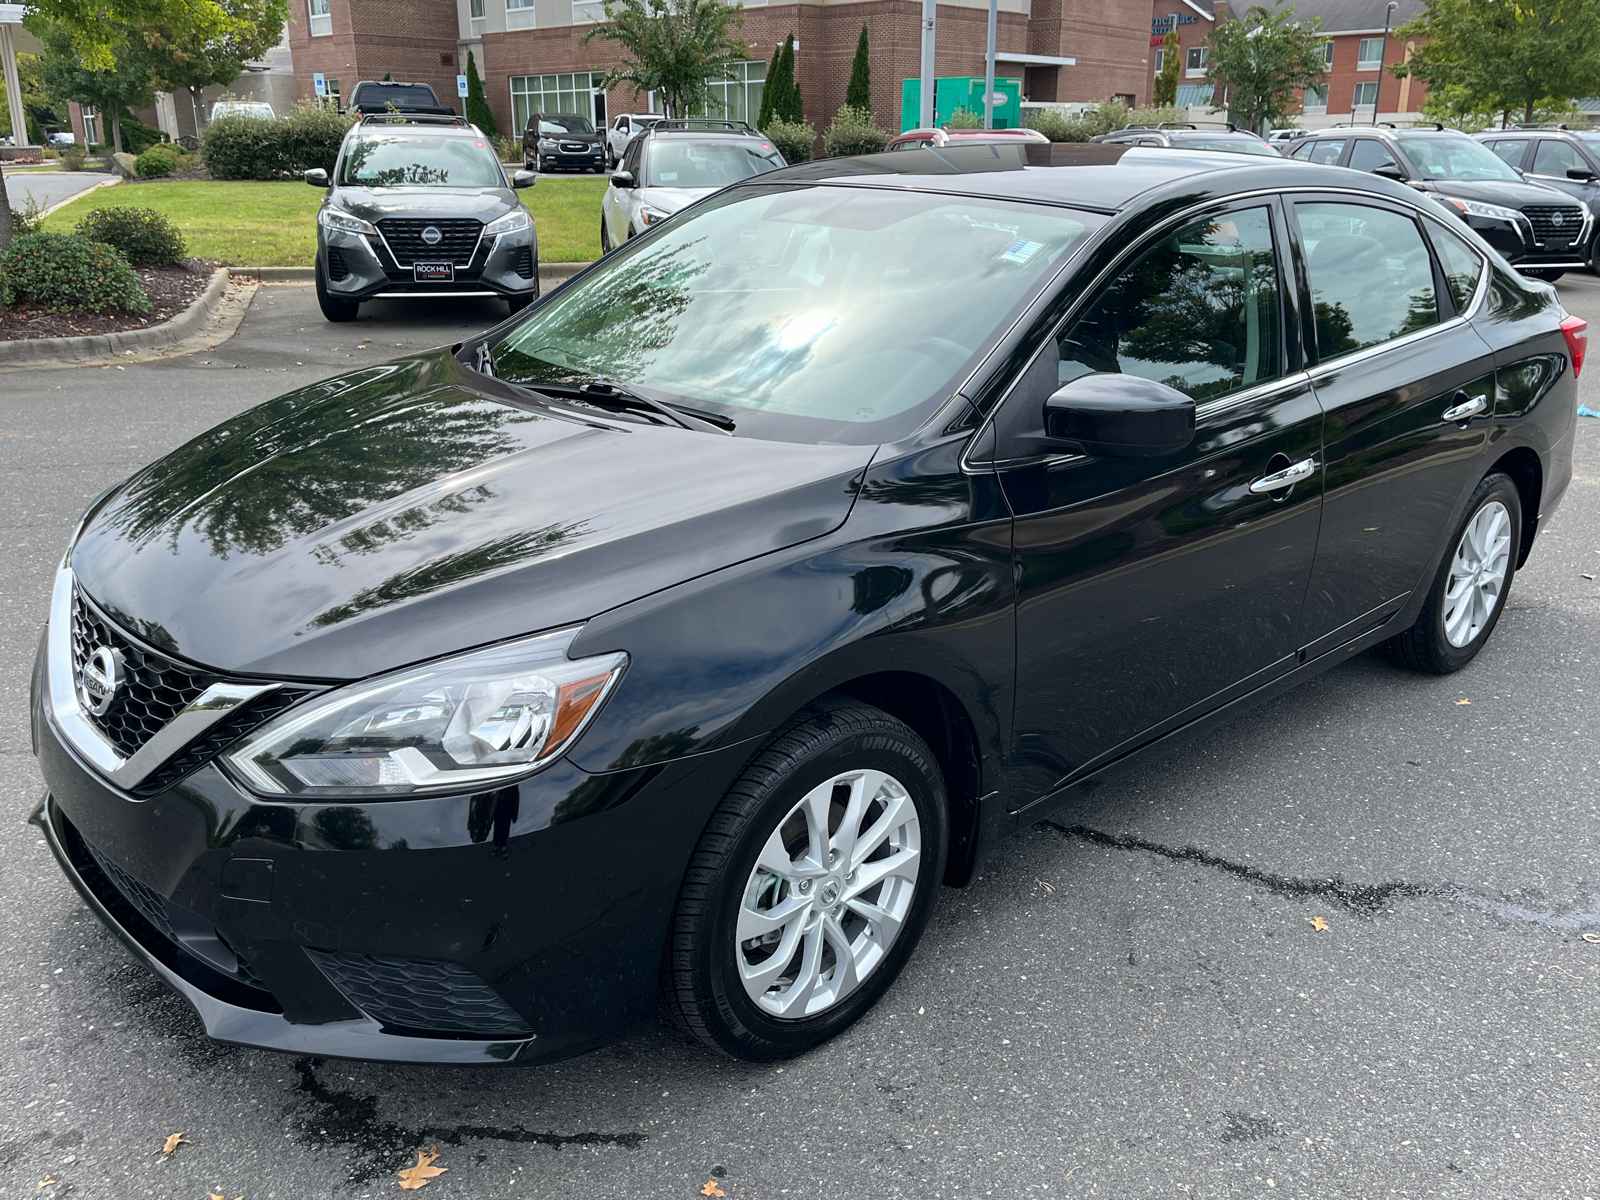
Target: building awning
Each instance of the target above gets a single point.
(1192, 95)
(1035, 60)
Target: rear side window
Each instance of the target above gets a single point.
(1326, 153)
(1371, 276)
(1198, 312)
(1463, 266)
(1555, 157)
(1370, 154)
(1509, 149)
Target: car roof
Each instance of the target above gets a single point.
(1099, 176)
(433, 128)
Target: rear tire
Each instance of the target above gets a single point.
(786, 933)
(333, 308)
(1469, 591)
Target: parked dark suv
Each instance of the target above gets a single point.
(419, 205)
(682, 636)
(1539, 230)
(567, 140)
(1557, 156)
(1185, 135)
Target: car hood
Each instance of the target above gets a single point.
(404, 511)
(1510, 195)
(671, 199)
(571, 137)
(373, 204)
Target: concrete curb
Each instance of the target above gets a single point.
(549, 273)
(104, 345)
(93, 187)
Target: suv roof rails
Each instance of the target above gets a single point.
(703, 123)
(405, 118)
(1584, 128)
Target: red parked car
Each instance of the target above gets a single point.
(916, 139)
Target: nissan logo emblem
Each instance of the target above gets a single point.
(1558, 220)
(431, 235)
(98, 679)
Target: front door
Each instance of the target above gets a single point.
(1150, 590)
(1408, 389)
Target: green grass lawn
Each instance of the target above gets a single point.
(273, 224)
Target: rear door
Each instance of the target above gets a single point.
(1407, 387)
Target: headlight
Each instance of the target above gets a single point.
(470, 722)
(514, 220)
(547, 143)
(337, 218)
(1479, 209)
(652, 216)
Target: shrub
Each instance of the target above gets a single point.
(251, 148)
(143, 236)
(1102, 118)
(965, 118)
(25, 217)
(66, 271)
(794, 139)
(161, 159)
(72, 158)
(852, 132)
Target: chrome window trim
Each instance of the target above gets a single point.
(211, 706)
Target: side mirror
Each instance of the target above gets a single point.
(317, 177)
(1391, 172)
(1581, 174)
(623, 179)
(1120, 416)
(522, 179)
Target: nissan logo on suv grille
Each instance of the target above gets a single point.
(431, 235)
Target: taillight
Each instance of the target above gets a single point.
(1576, 331)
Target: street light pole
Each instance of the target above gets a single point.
(930, 11)
(988, 67)
(11, 14)
(1383, 50)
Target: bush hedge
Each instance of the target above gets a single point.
(161, 159)
(1102, 118)
(794, 139)
(67, 271)
(852, 132)
(143, 236)
(251, 148)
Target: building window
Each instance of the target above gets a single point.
(519, 14)
(1316, 99)
(321, 17)
(1161, 57)
(1327, 53)
(1195, 63)
(567, 93)
(1370, 55)
(588, 12)
(1366, 94)
(739, 98)
(475, 13)
(90, 133)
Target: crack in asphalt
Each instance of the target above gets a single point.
(1366, 898)
(351, 1119)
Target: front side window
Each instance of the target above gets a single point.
(1448, 156)
(1508, 150)
(383, 160)
(1371, 276)
(1555, 158)
(1370, 54)
(1369, 154)
(803, 314)
(1198, 312)
(688, 164)
(321, 14)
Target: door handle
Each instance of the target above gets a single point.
(1464, 407)
(1287, 477)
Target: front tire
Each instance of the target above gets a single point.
(605, 236)
(333, 308)
(810, 886)
(1469, 592)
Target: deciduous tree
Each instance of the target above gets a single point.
(674, 47)
(1263, 60)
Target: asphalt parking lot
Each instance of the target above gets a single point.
(1131, 1002)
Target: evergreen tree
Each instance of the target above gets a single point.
(858, 93)
(789, 106)
(768, 90)
(478, 110)
(1166, 89)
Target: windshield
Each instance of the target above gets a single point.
(1455, 158)
(559, 123)
(1236, 145)
(686, 164)
(823, 314)
(241, 109)
(407, 160)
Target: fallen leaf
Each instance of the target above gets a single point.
(1459, 703)
(1318, 923)
(174, 1140)
(47, 1181)
(414, 1177)
(1048, 889)
(711, 1189)
(1586, 575)
(1591, 937)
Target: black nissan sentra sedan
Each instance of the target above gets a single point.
(680, 636)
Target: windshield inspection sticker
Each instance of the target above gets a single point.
(1020, 251)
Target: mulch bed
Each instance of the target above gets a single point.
(171, 290)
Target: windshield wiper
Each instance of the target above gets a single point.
(605, 394)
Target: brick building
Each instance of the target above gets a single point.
(531, 55)
(1355, 49)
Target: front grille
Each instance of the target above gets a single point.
(154, 688)
(523, 265)
(458, 238)
(1545, 229)
(337, 269)
(420, 995)
(578, 148)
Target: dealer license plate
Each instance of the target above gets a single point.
(433, 272)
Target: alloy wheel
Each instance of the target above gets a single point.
(1477, 574)
(829, 893)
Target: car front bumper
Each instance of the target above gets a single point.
(588, 160)
(1515, 243)
(357, 266)
(523, 925)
